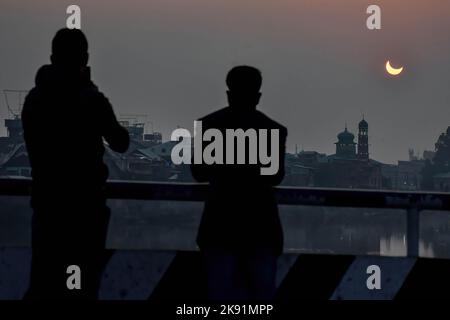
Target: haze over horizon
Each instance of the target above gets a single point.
(322, 67)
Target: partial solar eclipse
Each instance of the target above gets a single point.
(391, 70)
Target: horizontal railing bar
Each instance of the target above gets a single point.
(286, 195)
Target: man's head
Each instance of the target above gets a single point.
(244, 84)
(70, 49)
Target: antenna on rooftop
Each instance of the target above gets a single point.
(14, 105)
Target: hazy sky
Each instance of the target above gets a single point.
(322, 67)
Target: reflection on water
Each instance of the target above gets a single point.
(169, 225)
(426, 249)
(393, 246)
(396, 246)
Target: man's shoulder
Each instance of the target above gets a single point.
(92, 91)
(30, 100)
(224, 115)
(268, 122)
(215, 116)
(92, 96)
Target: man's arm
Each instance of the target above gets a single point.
(200, 172)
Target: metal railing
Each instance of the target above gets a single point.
(413, 202)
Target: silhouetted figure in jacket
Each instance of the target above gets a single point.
(240, 234)
(66, 120)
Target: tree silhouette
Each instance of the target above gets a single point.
(440, 162)
(442, 157)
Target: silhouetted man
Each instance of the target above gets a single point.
(240, 234)
(65, 119)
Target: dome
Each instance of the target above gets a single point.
(346, 137)
(363, 124)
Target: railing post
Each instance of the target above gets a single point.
(412, 232)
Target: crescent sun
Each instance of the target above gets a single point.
(391, 70)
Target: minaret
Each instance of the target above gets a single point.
(363, 140)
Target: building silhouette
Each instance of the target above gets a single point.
(363, 140)
(346, 146)
(350, 166)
